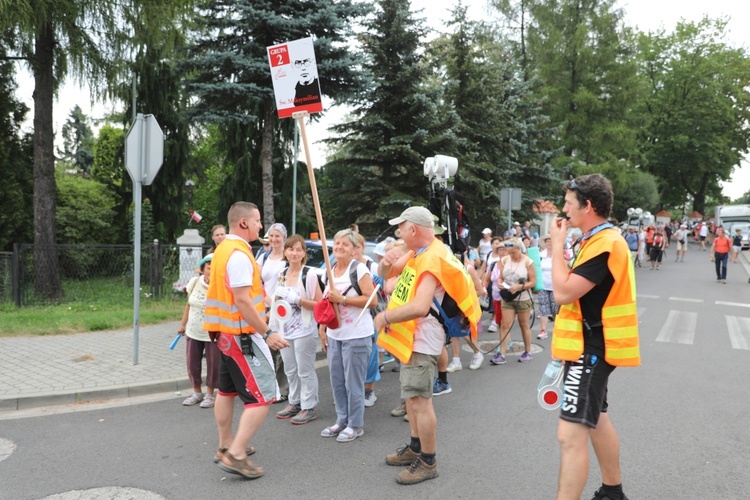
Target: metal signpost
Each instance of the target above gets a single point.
(144, 154)
(510, 199)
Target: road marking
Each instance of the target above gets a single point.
(679, 327)
(733, 304)
(647, 296)
(685, 299)
(641, 311)
(739, 332)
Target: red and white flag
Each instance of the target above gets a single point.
(196, 216)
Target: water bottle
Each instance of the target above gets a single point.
(550, 374)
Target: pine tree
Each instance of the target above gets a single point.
(78, 141)
(232, 85)
(376, 170)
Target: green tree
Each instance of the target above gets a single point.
(231, 82)
(16, 158)
(85, 210)
(379, 150)
(697, 110)
(109, 170)
(78, 141)
(56, 37)
(501, 132)
(583, 56)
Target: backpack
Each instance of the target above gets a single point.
(453, 320)
(657, 240)
(305, 270)
(382, 298)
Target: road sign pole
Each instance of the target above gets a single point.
(137, 199)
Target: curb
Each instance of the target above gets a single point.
(88, 396)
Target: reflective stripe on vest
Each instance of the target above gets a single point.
(221, 313)
(439, 261)
(619, 313)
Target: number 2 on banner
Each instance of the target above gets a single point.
(278, 55)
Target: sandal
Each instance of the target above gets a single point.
(242, 467)
(220, 453)
(208, 402)
(333, 430)
(350, 434)
(194, 399)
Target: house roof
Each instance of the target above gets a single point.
(545, 206)
(695, 215)
(663, 213)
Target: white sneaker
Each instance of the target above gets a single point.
(493, 327)
(454, 366)
(542, 335)
(476, 361)
(370, 400)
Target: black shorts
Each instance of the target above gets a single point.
(251, 377)
(585, 392)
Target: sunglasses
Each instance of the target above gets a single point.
(573, 186)
(509, 245)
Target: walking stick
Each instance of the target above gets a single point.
(300, 117)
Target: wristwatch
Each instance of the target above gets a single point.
(268, 332)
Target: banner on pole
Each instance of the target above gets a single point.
(294, 73)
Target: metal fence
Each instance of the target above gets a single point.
(94, 272)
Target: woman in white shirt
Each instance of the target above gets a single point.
(271, 265)
(517, 275)
(198, 342)
(301, 290)
(349, 346)
(547, 306)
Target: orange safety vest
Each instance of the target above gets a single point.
(619, 314)
(439, 261)
(221, 313)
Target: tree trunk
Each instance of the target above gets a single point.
(267, 168)
(46, 273)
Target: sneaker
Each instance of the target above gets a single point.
(370, 400)
(396, 368)
(439, 387)
(497, 359)
(289, 411)
(208, 402)
(403, 456)
(542, 335)
(525, 357)
(492, 327)
(305, 416)
(724, 281)
(349, 434)
(400, 410)
(600, 495)
(454, 366)
(417, 472)
(476, 361)
(194, 399)
(405, 418)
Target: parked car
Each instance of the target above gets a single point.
(744, 227)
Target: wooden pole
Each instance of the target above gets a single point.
(300, 117)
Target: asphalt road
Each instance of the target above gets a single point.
(682, 418)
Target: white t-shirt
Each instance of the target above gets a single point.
(269, 272)
(546, 261)
(348, 330)
(239, 267)
(704, 230)
(484, 247)
(515, 273)
(300, 323)
(197, 288)
(429, 336)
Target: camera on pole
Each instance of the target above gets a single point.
(438, 169)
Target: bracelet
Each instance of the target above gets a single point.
(385, 318)
(344, 299)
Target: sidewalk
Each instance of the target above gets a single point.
(83, 367)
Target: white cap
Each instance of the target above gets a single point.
(486, 230)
